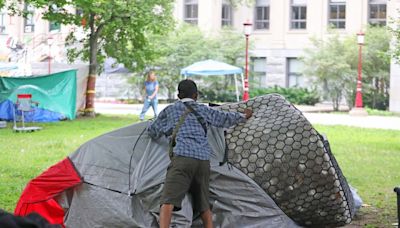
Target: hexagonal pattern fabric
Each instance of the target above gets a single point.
(281, 151)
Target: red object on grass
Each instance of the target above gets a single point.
(39, 194)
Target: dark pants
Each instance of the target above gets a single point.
(187, 175)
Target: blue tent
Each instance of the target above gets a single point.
(212, 67)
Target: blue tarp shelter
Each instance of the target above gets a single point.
(55, 93)
(212, 67)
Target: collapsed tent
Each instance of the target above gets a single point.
(275, 169)
(55, 94)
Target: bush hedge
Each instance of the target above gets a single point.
(212, 95)
(295, 95)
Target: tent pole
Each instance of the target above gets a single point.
(236, 87)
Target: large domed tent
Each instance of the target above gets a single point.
(275, 170)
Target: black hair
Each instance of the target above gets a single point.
(187, 88)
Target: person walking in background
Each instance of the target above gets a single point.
(150, 99)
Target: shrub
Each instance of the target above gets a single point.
(377, 101)
(212, 95)
(293, 94)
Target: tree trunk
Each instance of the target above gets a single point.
(335, 102)
(375, 92)
(171, 94)
(90, 91)
(91, 84)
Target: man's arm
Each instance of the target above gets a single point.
(226, 119)
(157, 128)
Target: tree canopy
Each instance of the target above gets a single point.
(332, 65)
(111, 28)
(328, 62)
(116, 28)
(187, 45)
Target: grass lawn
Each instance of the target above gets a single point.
(25, 155)
(369, 158)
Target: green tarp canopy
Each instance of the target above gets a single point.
(54, 92)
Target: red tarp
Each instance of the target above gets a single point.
(39, 193)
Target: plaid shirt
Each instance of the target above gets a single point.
(191, 140)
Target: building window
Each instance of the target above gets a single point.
(54, 26)
(337, 13)
(191, 11)
(261, 20)
(226, 19)
(377, 12)
(29, 24)
(2, 22)
(294, 73)
(298, 14)
(259, 71)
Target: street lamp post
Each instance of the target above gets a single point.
(247, 32)
(50, 41)
(360, 41)
(358, 109)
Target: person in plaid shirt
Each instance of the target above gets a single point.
(189, 170)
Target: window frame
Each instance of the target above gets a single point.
(54, 26)
(227, 21)
(290, 74)
(190, 4)
(29, 20)
(377, 21)
(296, 23)
(265, 15)
(261, 76)
(3, 28)
(335, 22)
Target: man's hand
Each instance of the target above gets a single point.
(248, 113)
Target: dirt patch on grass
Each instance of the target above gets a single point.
(373, 217)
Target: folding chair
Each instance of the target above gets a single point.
(23, 105)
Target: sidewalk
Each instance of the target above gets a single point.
(380, 122)
(310, 112)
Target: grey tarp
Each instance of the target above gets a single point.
(275, 158)
(111, 169)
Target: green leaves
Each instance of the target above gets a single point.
(187, 45)
(295, 95)
(332, 64)
(118, 29)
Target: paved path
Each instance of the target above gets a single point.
(379, 122)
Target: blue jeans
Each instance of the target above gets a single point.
(147, 103)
